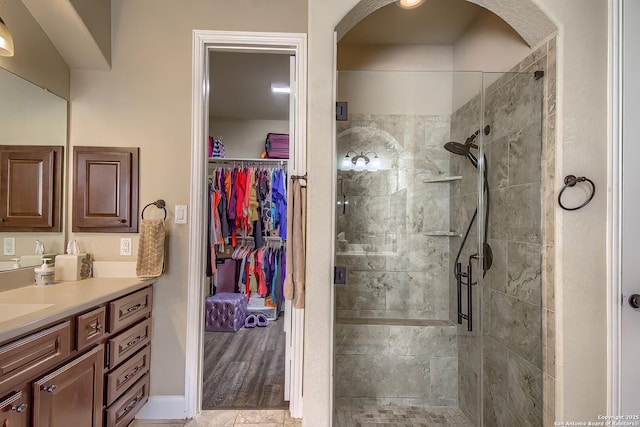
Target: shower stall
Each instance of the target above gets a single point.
(439, 243)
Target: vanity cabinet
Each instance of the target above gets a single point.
(89, 369)
(105, 189)
(15, 410)
(30, 188)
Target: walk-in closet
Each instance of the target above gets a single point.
(244, 341)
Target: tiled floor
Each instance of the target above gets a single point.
(376, 415)
(240, 418)
(348, 415)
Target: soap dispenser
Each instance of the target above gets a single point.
(45, 274)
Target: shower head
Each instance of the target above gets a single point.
(457, 148)
(464, 149)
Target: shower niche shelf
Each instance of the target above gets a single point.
(443, 179)
(442, 233)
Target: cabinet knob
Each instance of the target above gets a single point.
(20, 408)
(97, 327)
(50, 388)
(122, 221)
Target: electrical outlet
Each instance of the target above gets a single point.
(125, 246)
(9, 246)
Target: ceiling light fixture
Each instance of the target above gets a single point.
(280, 88)
(409, 4)
(361, 161)
(6, 41)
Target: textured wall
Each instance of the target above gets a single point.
(400, 364)
(395, 270)
(513, 342)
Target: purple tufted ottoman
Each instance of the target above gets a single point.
(225, 312)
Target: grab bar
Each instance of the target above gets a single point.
(468, 316)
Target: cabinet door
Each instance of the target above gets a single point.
(30, 187)
(14, 410)
(105, 189)
(71, 395)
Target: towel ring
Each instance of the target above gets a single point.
(160, 204)
(570, 181)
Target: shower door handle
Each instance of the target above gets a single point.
(469, 298)
(458, 274)
(468, 316)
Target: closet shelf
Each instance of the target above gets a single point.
(443, 179)
(442, 233)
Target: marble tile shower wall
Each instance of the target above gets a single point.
(394, 269)
(516, 349)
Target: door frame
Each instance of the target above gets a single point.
(614, 208)
(203, 42)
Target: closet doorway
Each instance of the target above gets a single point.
(244, 351)
(250, 357)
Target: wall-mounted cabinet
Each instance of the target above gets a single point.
(105, 189)
(30, 188)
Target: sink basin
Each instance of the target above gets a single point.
(11, 311)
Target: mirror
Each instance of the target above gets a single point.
(32, 116)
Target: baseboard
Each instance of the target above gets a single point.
(163, 408)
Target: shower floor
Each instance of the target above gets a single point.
(365, 414)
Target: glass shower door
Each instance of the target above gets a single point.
(439, 229)
(405, 199)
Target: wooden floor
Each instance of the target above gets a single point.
(245, 369)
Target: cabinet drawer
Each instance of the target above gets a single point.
(90, 328)
(120, 379)
(124, 410)
(128, 342)
(14, 409)
(33, 354)
(128, 310)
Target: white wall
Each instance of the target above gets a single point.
(581, 236)
(396, 92)
(489, 44)
(244, 137)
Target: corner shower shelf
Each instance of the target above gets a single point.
(442, 233)
(443, 179)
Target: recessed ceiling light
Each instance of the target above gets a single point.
(409, 4)
(280, 88)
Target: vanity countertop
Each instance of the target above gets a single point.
(31, 307)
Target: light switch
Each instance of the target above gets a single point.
(181, 214)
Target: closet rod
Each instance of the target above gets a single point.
(248, 160)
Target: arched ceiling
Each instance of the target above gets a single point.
(522, 15)
(437, 22)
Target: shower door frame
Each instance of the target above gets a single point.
(479, 309)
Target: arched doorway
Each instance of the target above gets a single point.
(390, 333)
